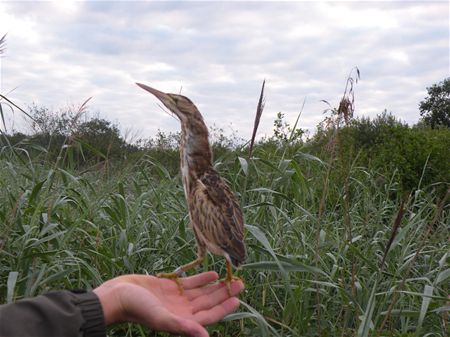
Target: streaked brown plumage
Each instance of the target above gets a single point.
(214, 211)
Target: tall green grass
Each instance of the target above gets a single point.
(317, 234)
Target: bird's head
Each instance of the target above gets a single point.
(180, 105)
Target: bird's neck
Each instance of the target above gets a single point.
(195, 153)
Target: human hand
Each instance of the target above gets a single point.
(158, 303)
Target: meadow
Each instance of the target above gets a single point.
(335, 247)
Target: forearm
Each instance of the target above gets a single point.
(56, 314)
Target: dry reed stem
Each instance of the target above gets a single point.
(395, 227)
(430, 228)
(259, 111)
(343, 113)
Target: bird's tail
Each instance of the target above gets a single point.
(238, 254)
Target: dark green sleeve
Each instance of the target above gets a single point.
(56, 314)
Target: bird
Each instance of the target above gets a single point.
(214, 212)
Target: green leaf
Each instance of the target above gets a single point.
(262, 323)
(10, 285)
(286, 266)
(442, 276)
(310, 157)
(3, 117)
(35, 191)
(244, 165)
(366, 318)
(284, 196)
(238, 315)
(427, 292)
(47, 238)
(261, 237)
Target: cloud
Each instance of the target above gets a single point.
(218, 53)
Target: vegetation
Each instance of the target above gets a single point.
(415, 156)
(347, 232)
(435, 108)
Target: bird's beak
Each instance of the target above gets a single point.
(162, 96)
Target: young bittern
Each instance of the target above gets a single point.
(214, 212)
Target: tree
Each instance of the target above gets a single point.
(283, 133)
(100, 136)
(435, 109)
(54, 122)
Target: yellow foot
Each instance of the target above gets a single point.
(228, 280)
(173, 276)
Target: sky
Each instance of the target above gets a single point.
(218, 53)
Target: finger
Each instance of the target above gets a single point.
(163, 320)
(193, 328)
(192, 294)
(208, 301)
(215, 314)
(198, 280)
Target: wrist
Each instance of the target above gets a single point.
(110, 301)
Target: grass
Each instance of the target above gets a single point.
(317, 235)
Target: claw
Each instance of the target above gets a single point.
(180, 272)
(173, 276)
(228, 280)
(230, 277)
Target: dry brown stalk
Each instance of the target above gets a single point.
(259, 111)
(430, 228)
(394, 232)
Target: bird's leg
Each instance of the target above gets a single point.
(180, 270)
(201, 252)
(230, 277)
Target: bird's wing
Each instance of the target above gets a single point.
(217, 216)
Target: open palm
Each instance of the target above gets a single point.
(159, 304)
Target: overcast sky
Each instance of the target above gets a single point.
(217, 54)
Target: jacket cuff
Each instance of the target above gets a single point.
(92, 312)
